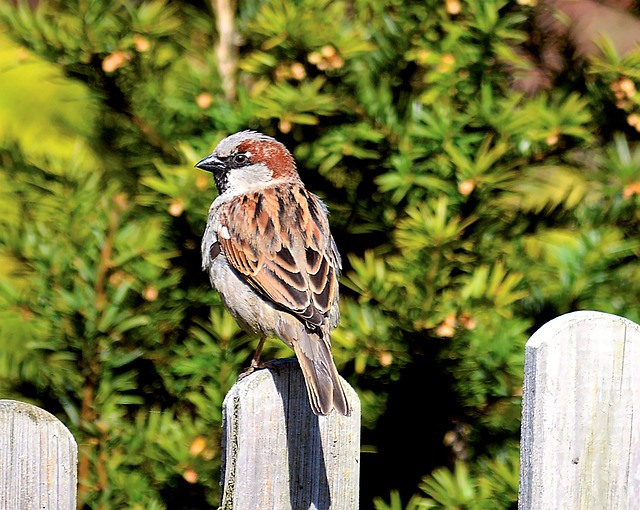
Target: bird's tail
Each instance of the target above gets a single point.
(313, 351)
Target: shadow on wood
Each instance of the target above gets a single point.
(278, 455)
(580, 444)
(38, 459)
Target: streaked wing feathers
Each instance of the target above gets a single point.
(297, 268)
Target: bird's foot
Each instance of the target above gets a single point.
(256, 365)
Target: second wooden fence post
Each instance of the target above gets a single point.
(279, 455)
(38, 459)
(580, 446)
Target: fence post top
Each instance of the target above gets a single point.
(274, 379)
(555, 326)
(36, 413)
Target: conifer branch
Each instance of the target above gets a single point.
(226, 49)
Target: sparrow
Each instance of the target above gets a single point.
(270, 254)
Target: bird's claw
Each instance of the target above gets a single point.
(256, 365)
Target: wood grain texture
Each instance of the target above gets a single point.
(38, 459)
(580, 446)
(278, 455)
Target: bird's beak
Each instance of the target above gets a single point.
(211, 163)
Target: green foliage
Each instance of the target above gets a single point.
(468, 214)
(493, 485)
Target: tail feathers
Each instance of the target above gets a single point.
(320, 374)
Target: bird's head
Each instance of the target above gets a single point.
(248, 161)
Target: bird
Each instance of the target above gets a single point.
(269, 252)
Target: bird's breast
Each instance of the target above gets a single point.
(253, 313)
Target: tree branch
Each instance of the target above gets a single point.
(226, 49)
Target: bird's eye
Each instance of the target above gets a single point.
(240, 159)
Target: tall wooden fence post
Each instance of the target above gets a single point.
(38, 459)
(580, 446)
(278, 455)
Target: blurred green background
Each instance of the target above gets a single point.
(481, 162)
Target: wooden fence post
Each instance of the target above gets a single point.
(38, 459)
(580, 446)
(278, 455)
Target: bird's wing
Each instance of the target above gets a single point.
(279, 240)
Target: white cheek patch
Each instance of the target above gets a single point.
(248, 178)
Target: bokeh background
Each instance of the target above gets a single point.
(481, 161)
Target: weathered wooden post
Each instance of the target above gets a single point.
(38, 459)
(278, 455)
(580, 446)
